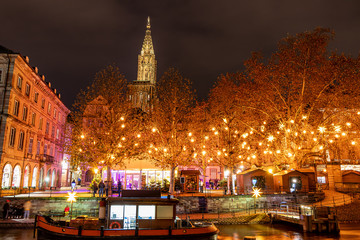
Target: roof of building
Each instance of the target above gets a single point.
(346, 172)
(287, 172)
(6, 50)
(251, 170)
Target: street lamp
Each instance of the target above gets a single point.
(256, 194)
(71, 198)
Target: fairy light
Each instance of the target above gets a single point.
(271, 138)
(322, 129)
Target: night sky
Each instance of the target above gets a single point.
(70, 40)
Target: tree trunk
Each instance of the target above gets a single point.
(108, 174)
(229, 183)
(172, 180)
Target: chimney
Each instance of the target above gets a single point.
(27, 59)
(43, 77)
(36, 70)
(49, 83)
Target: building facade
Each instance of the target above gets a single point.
(32, 126)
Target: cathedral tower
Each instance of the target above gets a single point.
(143, 88)
(146, 58)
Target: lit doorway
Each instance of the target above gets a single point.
(132, 181)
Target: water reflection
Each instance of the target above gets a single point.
(283, 232)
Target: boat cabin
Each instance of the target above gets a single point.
(141, 209)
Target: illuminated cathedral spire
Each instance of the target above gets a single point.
(146, 58)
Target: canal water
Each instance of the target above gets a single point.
(235, 232)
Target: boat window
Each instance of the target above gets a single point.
(146, 212)
(117, 212)
(130, 216)
(164, 212)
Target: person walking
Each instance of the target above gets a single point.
(101, 188)
(6, 208)
(27, 207)
(73, 184)
(119, 187)
(107, 188)
(94, 188)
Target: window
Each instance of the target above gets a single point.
(31, 142)
(321, 179)
(45, 148)
(47, 128)
(55, 111)
(38, 148)
(40, 123)
(59, 117)
(164, 212)
(51, 150)
(1, 74)
(19, 82)
(49, 108)
(57, 133)
(12, 137)
(27, 89)
(16, 107)
(117, 212)
(36, 97)
(146, 212)
(33, 119)
(21, 140)
(43, 103)
(53, 131)
(25, 110)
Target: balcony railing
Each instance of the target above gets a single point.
(45, 158)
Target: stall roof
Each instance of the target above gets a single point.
(190, 172)
(287, 172)
(250, 170)
(346, 172)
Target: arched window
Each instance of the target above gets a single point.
(26, 176)
(34, 176)
(89, 175)
(16, 176)
(53, 177)
(41, 178)
(47, 178)
(6, 176)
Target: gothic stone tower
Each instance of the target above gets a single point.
(143, 89)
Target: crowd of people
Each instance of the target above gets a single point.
(104, 188)
(16, 210)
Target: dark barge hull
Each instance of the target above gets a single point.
(46, 230)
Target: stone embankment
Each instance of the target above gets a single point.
(349, 213)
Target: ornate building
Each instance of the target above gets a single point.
(142, 90)
(31, 127)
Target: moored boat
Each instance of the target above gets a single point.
(136, 215)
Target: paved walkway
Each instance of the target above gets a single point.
(334, 198)
(85, 192)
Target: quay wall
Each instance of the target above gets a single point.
(187, 204)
